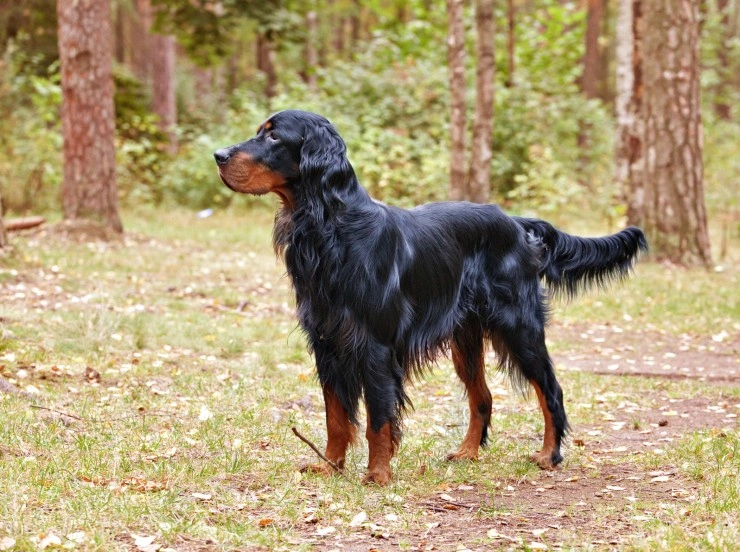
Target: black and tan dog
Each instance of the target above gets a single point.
(382, 291)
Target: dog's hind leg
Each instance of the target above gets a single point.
(467, 356)
(528, 351)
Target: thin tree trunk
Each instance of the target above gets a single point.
(456, 66)
(675, 216)
(511, 20)
(634, 140)
(480, 161)
(312, 56)
(625, 88)
(141, 47)
(721, 102)
(163, 86)
(595, 10)
(89, 188)
(266, 63)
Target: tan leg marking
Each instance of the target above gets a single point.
(381, 450)
(340, 434)
(478, 394)
(544, 457)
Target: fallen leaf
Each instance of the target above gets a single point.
(265, 522)
(205, 414)
(201, 496)
(659, 479)
(78, 537)
(49, 540)
(146, 543)
(323, 531)
(358, 520)
(6, 543)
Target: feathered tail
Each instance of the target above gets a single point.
(570, 263)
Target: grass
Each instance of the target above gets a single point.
(154, 408)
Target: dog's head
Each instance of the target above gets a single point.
(294, 154)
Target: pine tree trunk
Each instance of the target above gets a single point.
(312, 56)
(623, 108)
(266, 63)
(591, 57)
(510, 16)
(721, 103)
(480, 161)
(675, 216)
(141, 46)
(89, 188)
(633, 141)
(163, 86)
(456, 66)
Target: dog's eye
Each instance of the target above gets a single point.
(272, 136)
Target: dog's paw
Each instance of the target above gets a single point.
(463, 454)
(546, 460)
(377, 477)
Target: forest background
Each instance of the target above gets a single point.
(191, 77)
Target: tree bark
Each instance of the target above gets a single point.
(633, 139)
(89, 188)
(266, 63)
(623, 103)
(456, 67)
(312, 56)
(589, 80)
(141, 45)
(163, 86)
(480, 160)
(510, 15)
(721, 103)
(675, 215)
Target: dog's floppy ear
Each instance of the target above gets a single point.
(324, 167)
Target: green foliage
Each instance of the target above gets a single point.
(140, 151)
(549, 143)
(208, 31)
(30, 133)
(190, 178)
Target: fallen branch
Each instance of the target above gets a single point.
(11, 225)
(316, 450)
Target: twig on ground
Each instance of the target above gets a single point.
(103, 420)
(316, 450)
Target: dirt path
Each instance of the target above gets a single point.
(612, 350)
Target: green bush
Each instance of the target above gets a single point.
(30, 135)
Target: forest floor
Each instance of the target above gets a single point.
(148, 388)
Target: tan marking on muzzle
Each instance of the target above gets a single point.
(242, 174)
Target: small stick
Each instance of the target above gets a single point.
(102, 420)
(316, 450)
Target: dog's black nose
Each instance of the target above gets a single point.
(221, 156)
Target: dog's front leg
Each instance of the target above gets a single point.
(340, 431)
(381, 449)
